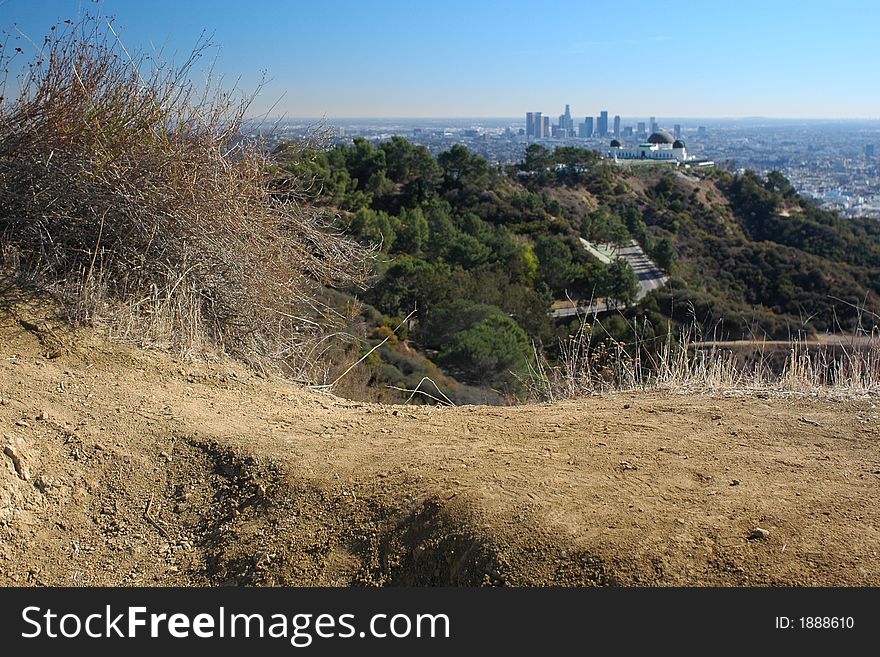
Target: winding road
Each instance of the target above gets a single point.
(650, 278)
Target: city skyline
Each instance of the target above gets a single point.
(540, 127)
(791, 60)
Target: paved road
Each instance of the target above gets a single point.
(650, 277)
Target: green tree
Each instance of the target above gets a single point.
(623, 284)
(365, 164)
(467, 251)
(410, 283)
(605, 226)
(413, 168)
(491, 352)
(537, 158)
(664, 254)
(463, 170)
(375, 227)
(413, 233)
(556, 261)
(776, 182)
(523, 264)
(441, 230)
(448, 321)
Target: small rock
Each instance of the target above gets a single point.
(735, 482)
(20, 470)
(22, 423)
(166, 456)
(626, 465)
(759, 533)
(43, 415)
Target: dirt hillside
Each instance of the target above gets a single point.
(124, 466)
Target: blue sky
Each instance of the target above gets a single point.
(445, 58)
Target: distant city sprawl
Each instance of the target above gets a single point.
(832, 161)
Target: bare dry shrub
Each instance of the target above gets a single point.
(129, 190)
(592, 361)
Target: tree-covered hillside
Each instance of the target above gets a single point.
(478, 254)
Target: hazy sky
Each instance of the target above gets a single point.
(384, 58)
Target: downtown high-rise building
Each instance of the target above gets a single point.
(535, 126)
(617, 125)
(545, 127)
(585, 129)
(869, 151)
(676, 131)
(641, 133)
(655, 127)
(566, 123)
(602, 124)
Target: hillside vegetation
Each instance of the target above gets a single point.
(478, 254)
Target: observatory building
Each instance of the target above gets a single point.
(659, 146)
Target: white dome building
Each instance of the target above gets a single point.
(660, 146)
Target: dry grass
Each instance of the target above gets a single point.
(128, 190)
(592, 361)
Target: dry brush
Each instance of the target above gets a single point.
(129, 190)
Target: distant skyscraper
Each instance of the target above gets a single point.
(628, 131)
(653, 123)
(701, 131)
(585, 129)
(537, 126)
(676, 131)
(602, 124)
(617, 125)
(640, 131)
(566, 123)
(869, 151)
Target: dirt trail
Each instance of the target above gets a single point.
(123, 466)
